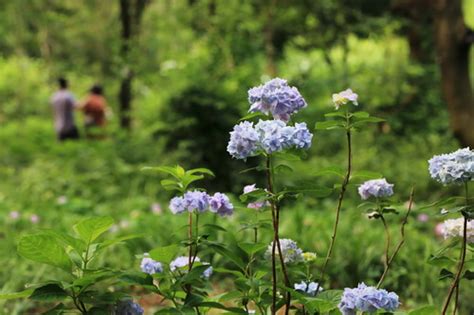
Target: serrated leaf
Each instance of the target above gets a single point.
(214, 227)
(164, 254)
(252, 248)
(45, 249)
(91, 228)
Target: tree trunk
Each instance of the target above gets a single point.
(452, 45)
(131, 12)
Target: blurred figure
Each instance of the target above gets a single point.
(94, 108)
(63, 106)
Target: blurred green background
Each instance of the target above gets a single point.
(188, 66)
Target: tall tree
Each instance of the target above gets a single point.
(131, 12)
(453, 41)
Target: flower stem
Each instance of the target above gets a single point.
(387, 241)
(339, 206)
(276, 241)
(402, 240)
(455, 285)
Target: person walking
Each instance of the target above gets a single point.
(63, 104)
(95, 108)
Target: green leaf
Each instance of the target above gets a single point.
(50, 292)
(252, 248)
(445, 274)
(283, 168)
(335, 114)
(16, 295)
(75, 243)
(137, 278)
(201, 170)
(469, 275)
(229, 255)
(91, 228)
(328, 125)
(94, 277)
(365, 175)
(360, 115)
(214, 227)
(164, 254)
(45, 249)
(252, 115)
(424, 310)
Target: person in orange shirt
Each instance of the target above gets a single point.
(94, 108)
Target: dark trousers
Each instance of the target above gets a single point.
(68, 134)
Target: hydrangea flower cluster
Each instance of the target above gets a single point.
(378, 188)
(289, 249)
(456, 167)
(455, 228)
(128, 308)
(258, 204)
(367, 299)
(183, 261)
(277, 98)
(344, 97)
(150, 266)
(308, 288)
(267, 135)
(200, 201)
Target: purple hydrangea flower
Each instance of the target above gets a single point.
(208, 272)
(344, 97)
(378, 188)
(367, 299)
(178, 205)
(196, 200)
(277, 98)
(220, 204)
(128, 308)
(150, 266)
(243, 141)
(308, 288)
(456, 167)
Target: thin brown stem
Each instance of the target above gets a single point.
(387, 241)
(402, 240)
(274, 275)
(457, 278)
(338, 209)
(276, 240)
(190, 237)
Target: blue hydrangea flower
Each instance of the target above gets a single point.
(178, 205)
(128, 308)
(208, 272)
(367, 299)
(456, 167)
(301, 137)
(289, 249)
(274, 135)
(308, 288)
(378, 188)
(243, 141)
(277, 98)
(197, 200)
(182, 261)
(220, 204)
(344, 97)
(150, 266)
